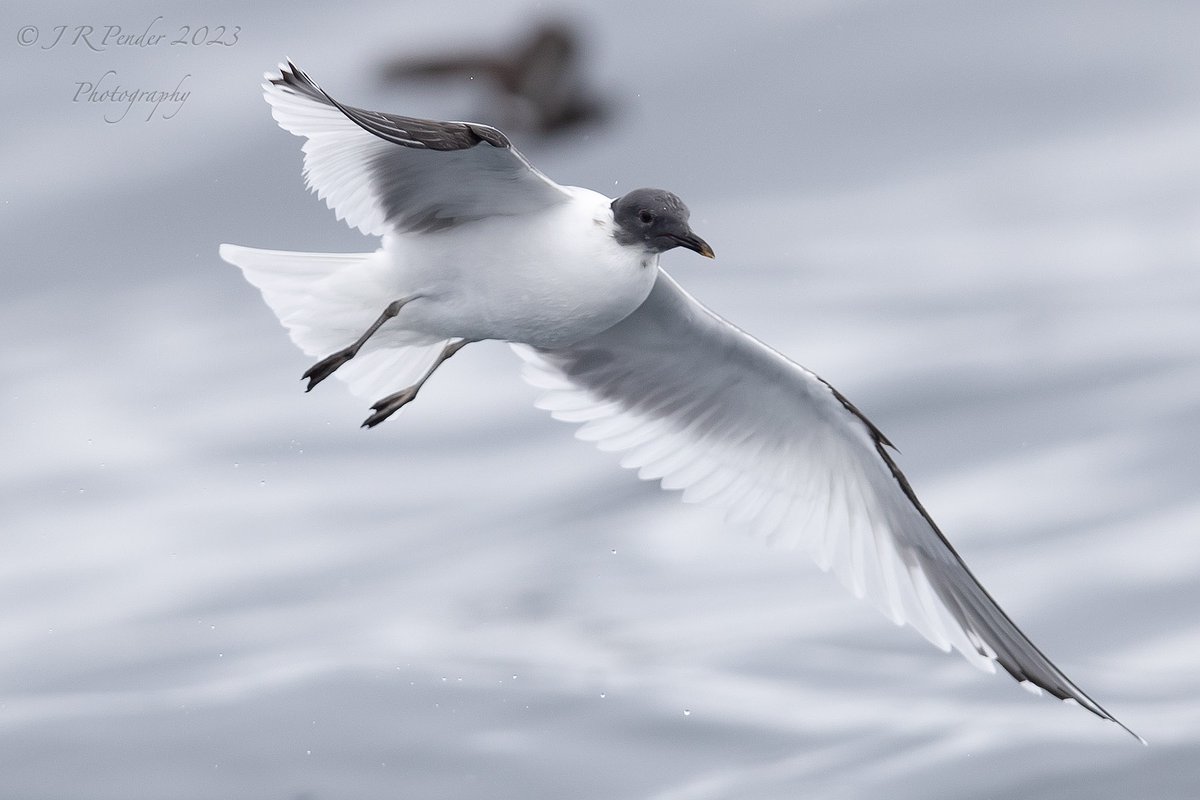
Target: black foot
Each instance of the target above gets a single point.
(326, 367)
(390, 405)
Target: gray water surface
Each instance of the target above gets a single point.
(980, 222)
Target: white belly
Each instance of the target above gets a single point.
(548, 280)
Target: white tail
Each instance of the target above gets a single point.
(326, 301)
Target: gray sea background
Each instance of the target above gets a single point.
(981, 222)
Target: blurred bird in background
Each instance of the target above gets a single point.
(540, 83)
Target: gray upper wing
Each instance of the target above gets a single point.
(695, 402)
(385, 173)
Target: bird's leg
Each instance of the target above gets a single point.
(328, 365)
(394, 402)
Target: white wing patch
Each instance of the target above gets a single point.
(387, 174)
(812, 493)
(337, 156)
(691, 401)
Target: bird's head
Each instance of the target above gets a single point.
(657, 220)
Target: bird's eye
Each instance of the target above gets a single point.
(645, 216)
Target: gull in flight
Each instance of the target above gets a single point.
(478, 244)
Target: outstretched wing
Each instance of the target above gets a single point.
(385, 174)
(703, 407)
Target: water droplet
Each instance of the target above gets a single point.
(687, 712)
(603, 695)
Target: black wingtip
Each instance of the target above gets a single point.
(292, 77)
(1129, 730)
(1101, 712)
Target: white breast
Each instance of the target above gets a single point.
(548, 279)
